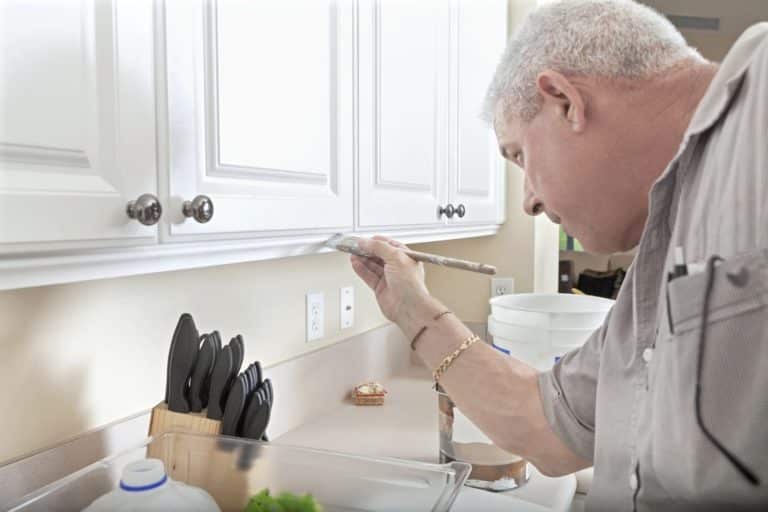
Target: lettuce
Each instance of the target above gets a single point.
(285, 502)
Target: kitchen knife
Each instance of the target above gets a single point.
(206, 389)
(219, 383)
(238, 354)
(181, 361)
(259, 373)
(254, 402)
(201, 373)
(233, 411)
(249, 452)
(254, 379)
(258, 425)
(269, 391)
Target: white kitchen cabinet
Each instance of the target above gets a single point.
(297, 119)
(476, 169)
(424, 70)
(257, 114)
(77, 138)
(403, 103)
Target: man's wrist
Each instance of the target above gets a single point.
(419, 314)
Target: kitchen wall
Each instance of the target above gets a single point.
(81, 355)
(733, 18)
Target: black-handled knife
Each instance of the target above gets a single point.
(205, 392)
(181, 360)
(201, 373)
(233, 411)
(238, 355)
(219, 383)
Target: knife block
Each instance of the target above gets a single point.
(164, 420)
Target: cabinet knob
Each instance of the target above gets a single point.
(200, 209)
(447, 210)
(461, 211)
(146, 209)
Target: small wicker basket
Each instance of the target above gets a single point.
(369, 393)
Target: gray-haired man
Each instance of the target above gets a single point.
(628, 137)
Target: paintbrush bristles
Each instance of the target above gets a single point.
(347, 244)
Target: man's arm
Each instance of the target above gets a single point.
(496, 392)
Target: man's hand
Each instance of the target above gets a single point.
(396, 279)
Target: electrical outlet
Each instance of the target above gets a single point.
(315, 315)
(346, 307)
(502, 286)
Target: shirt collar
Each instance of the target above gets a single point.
(726, 81)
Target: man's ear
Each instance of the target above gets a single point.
(556, 90)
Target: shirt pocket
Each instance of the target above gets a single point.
(734, 381)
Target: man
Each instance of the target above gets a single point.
(628, 137)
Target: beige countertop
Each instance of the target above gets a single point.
(406, 427)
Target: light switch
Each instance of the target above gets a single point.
(347, 307)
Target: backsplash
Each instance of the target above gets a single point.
(81, 355)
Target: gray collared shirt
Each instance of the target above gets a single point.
(626, 399)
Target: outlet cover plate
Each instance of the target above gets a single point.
(315, 316)
(502, 286)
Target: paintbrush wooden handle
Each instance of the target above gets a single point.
(349, 244)
(445, 261)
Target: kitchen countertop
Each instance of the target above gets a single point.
(406, 427)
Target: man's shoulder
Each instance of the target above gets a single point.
(758, 35)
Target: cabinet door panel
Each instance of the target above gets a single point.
(477, 169)
(404, 57)
(76, 124)
(259, 111)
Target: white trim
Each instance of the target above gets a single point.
(28, 270)
(39, 155)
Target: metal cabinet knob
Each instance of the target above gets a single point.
(447, 210)
(461, 211)
(200, 209)
(146, 209)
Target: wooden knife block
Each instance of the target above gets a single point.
(231, 493)
(164, 420)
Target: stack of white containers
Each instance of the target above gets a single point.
(539, 328)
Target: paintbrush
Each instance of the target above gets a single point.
(349, 244)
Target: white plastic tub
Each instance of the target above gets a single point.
(538, 347)
(566, 338)
(551, 310)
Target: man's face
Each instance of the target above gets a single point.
(575, 177)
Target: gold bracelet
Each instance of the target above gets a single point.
(449, 359)
(421, 331)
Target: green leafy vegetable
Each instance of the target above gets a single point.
(285, 502)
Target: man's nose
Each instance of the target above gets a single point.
(531, 204)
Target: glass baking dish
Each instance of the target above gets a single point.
(233, 469)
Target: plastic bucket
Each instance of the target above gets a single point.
(550, 310)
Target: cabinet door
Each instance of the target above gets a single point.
(477, 169)
(76, 123)
(403, 105)
(258, 115)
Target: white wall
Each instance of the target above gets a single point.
(81, 355)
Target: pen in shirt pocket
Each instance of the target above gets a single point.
(679, 269)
